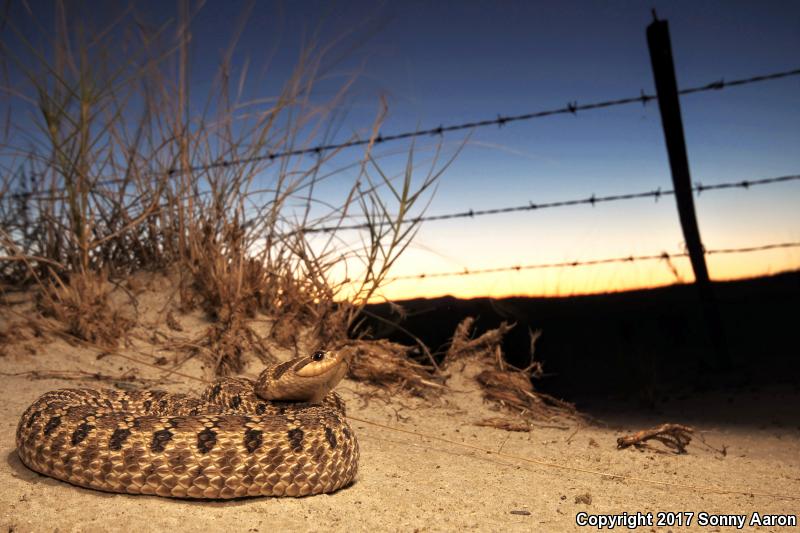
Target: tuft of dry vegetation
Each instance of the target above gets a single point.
(509, 387)
(389, 366)
(463, 346)
(113, 162)
(84, 306)
(225, 344)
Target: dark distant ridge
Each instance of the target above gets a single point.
(636, 341)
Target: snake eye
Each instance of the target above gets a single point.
(319, 355)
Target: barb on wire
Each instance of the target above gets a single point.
(592, 200)
(591, 262)
(571, 108)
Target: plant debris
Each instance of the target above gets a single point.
(504, 384)
(83, 304)
(507, 424)
(673, 436)
(388, 365)
(225, 343)
(122, 381)
(463, 347)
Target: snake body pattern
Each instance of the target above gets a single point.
(283, 435)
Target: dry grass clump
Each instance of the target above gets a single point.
(232, 286)
(512, 388)
(388, 366)
(462, 346)
(507, 386)
(128, 173)
(83, 304)
(226, 343)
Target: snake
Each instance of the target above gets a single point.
(284, 434)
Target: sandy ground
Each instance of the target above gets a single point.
(410, 482)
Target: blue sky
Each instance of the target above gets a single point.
(450, 62)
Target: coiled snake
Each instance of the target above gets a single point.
(283, 435)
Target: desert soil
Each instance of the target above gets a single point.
(416, 482)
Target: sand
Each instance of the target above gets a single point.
(414, 482)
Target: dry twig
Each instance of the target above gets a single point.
(673, 436)
(123, 381)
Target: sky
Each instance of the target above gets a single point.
(441, 63)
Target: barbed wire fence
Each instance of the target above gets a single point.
(572, 108)
(663, 256)
(592, 200)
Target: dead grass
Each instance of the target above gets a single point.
(126, 177)
(388, 366)
(506, 424)
(463, 346)
(84, 306)
(127, 381)
(509, 387)
(676, 437)
(226, 344)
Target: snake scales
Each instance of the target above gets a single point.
(283, 435)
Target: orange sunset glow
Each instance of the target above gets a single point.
(580, 234)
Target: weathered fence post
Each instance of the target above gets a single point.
(669, 105)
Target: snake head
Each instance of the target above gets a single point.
(304, 379)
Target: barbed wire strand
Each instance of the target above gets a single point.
(591, 200)
(571, 108)
(572, 264)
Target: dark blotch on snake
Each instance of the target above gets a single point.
(215, 390)
(206, 440)
(331, 437)
(236, 401)
(160, 440)
(33, 418)
(81, 433)
(52, 424)
(296, 439)
(252, 440)
(260, 408)
(118, 438)
(147, 404)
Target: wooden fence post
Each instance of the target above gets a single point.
(669, 105)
